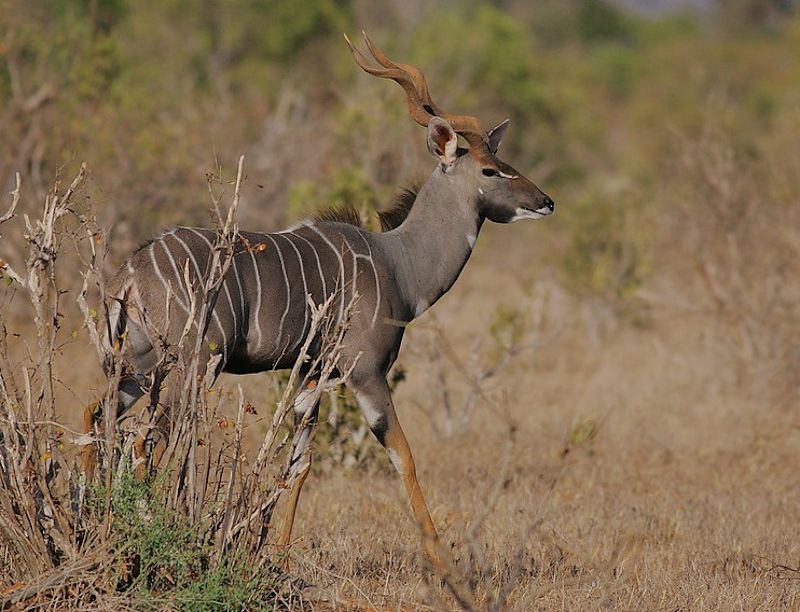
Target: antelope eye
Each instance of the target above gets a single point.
(489, 172)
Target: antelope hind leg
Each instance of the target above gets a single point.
(89, 450)
(305, 406)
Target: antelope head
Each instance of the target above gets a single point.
(498, 191)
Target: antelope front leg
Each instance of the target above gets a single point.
(151, 440)
(375, 401)
(129, 391)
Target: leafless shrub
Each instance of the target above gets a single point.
(64, 541)
(40, 529)
(461, 382)
(740, 253)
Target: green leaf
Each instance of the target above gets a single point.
(583, 432)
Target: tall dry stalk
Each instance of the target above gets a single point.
(40, 531)
(63, 540)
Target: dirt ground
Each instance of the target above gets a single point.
(645, 471)
(614, 463)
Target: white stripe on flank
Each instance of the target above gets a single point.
(301, 335)
(288, 288)
(257, 316)
(238, 284)
(355, 270)
(241, 295)
(167, 285)
(179, 280)
(200, 276)
(178, 276)
(115, 309)
(236, 330)
(319, 264)
(341, 268)
(375, 274)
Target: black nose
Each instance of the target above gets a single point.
(548, 201)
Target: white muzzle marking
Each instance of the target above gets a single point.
(524, 213)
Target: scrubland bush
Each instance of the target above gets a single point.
(668, 143)
(737, 245)
(194, 537)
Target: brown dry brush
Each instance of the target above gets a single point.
(511, 333)
(739, 258)
(197, 528)
(463, 383)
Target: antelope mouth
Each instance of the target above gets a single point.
(530, 213)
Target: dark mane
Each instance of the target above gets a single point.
(340, 213)
(389, 219)
(403, 202)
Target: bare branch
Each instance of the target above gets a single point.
(9, 214)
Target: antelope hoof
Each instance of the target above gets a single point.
(431, 550)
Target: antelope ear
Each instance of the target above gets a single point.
(496, 135)
(442, 141)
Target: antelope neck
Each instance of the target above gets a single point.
(433, 244)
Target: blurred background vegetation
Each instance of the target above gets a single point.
(666, 131)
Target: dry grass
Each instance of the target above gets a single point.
(648, 463)
(682, 497)
(627, 436)
(644, 475)
(109, 534)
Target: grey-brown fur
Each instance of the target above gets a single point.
(261, 316)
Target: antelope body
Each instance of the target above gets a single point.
(261, 316)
